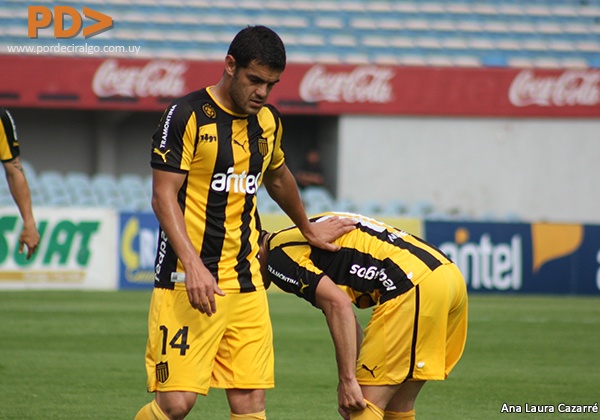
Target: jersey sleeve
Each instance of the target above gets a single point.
(294, 274)
(278, 157)
(9, 146)
(174, 139)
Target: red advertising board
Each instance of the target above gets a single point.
(106, 83)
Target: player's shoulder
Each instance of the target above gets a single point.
(191, 100)
(271, 109)
(198, 103)
(287, 237)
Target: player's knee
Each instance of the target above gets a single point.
(176, 405)
(246, 400)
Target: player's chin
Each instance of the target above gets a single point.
(254, 108)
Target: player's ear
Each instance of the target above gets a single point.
(230, 65)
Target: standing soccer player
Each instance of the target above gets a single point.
(209, 323)
(418, 327)
(17, 182)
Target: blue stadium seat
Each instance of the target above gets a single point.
(317, 195)
(370, 208)
(54, 189)
(106, 189)
(315, 31)
(265, 204)
(346, 205)
(395, 208)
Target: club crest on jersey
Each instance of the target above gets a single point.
(161, 154)
(263, 146)
(162, 372)
(209, 111)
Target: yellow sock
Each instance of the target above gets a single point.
(251, 416)
(151, 411)
(372, 412)
(390, 415)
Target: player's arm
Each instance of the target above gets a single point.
(282, 187)
(19, 188)
(200, 284)
(343, 328)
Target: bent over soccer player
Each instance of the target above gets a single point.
(209, 321)
(418, 328)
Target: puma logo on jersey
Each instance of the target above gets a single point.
(371, 371)
(243, 146)
(161, 154)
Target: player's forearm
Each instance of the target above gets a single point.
(342, 326)
(19, 189)
(282, 187)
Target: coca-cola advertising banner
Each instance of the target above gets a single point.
(125, 84)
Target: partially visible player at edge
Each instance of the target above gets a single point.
(211, 152)
(418, 327)
(17, 182)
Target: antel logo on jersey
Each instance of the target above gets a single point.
(242, 183)
(363, 84)
(157, 78)
(572, 87)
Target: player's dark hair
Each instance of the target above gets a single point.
(258, 43)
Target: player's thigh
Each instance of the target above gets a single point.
(442, 323)
(245, 357)
(385, 354)
(456, 334)
(182, 342)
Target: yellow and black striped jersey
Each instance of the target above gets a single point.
(224, 156)
(376, 262)
(9, 145)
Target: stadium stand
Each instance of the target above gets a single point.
(131, 192)
(504, 33)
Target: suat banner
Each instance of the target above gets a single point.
(520, 257)
(77, 250)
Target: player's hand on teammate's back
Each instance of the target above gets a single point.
(201, 288)
(324, 232)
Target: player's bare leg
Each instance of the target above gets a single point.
(177, 404)
(401, 406)
(246, 404)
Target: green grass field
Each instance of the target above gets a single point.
(79, 355)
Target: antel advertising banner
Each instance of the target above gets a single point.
(110, 83)
(77, 250)
(527, 258)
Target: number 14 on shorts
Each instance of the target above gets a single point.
(179, 340)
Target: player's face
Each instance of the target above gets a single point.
(250, 87)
